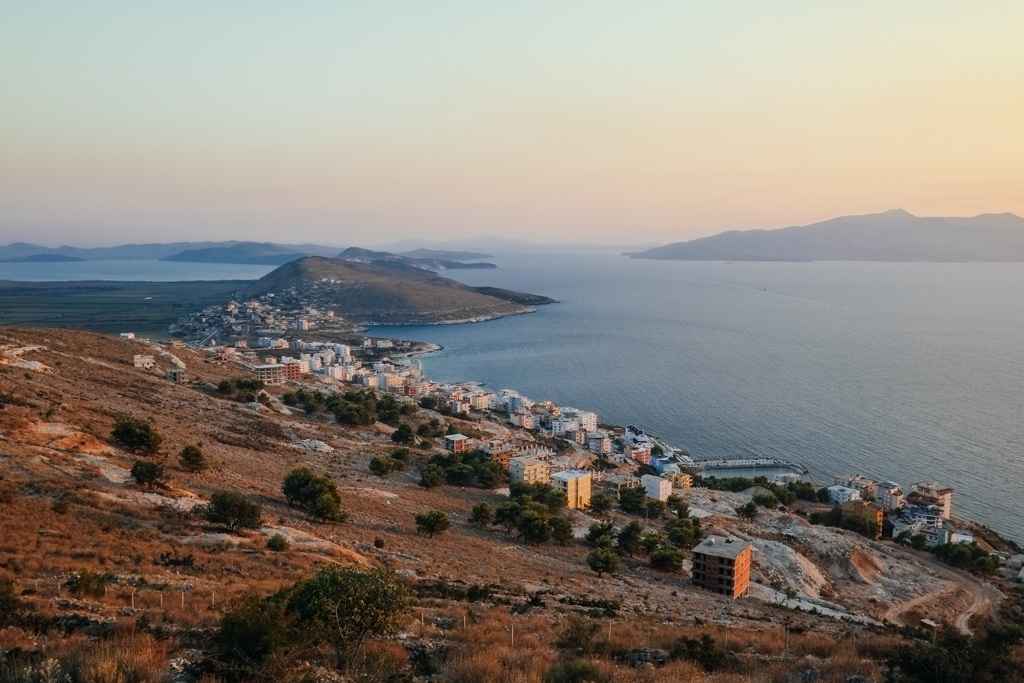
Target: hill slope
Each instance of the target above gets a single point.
(372, 293)
(891, 236)
(359, 255)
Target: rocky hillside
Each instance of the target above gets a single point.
(101, 574)
(372, 293)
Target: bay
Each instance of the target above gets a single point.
(903, 371)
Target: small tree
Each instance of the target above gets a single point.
(603, 559)
(137, 436)
(149, 474)
(381, 465)
(234, 511)
(629, 538)
(655, 509)
(533, 525)
(507, 515)
(431, 476)
(428, 402)
(633, 499)
(597, 531)
(343, 605)
(278, 543)
(316, 494)
(678, 505)
(192, 459)
(432, 522)
(561, 529)
(483, 514)
(747, 511)
(667, 559)
(404, 435)
(651, 542)
(601, 503)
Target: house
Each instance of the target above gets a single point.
(175, 374)
(144, 361)
(527, 470)
(870, 512)
(458, 443)
(859, 482)
(575, 484)
(127, 335)
(842, 494)
(640, 453)
(932, 493)
(657, 488)
(722, 565)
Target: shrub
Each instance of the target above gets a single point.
(432, 522)
(747, 511)
(88, 583)
(633, 499)
(431, 476)
(381, 466)
(234, 511)
(597, 531)
(603, 559)
(561, 529)
(667, 559)
(192, 459)
(11, 608)
(278, 543)
(137, 436)
(704, 652)
(149, 474)
(428, 402)
(316, 494)
(62, 505)
(483, 514)
(342, 605)
(575, 671)
(601, 503)
(578, 633)
(378, 543)
(404, 435)
(249, 637)
(630, 537)
(766, 500)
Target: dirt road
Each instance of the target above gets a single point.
(983, 596)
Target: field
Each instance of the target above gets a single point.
(146, 308)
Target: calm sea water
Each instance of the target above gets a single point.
(898, 371)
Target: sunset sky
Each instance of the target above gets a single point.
(361, 123)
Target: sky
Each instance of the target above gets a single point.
(343, 122)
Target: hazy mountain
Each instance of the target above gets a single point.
(160, 251)
(891, 236)
(42, 258)
(254, 253)
(358, 255)
(446, 254)
(367, 292)
(497, 244)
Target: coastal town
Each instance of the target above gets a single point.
(564, 447)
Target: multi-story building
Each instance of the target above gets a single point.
(458, 443)
(575, 484)
(640, 453)
(599, 443)
(657, 488)
(613, 483)
(871, 512)
(271, 374)
(527, 470)
(889, 495)
(722, 565)
(521, 418)
(842, 494)
(859, 482)
(932, 493)
(499, 451)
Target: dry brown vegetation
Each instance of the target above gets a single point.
(162, 577)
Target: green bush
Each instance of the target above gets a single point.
(149, 474)
(137, 436)
(316, 494)
(234, 511)
(278, 543)
(483, 514)
(192, 459)
(667, 559)
(575, 671)
(11, 608)
(88, 583)
(432, 522)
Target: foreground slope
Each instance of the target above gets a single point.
(373, 293)
(891, 236)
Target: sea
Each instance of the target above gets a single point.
(899, 371)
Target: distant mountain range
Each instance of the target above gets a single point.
(357, 255)
(386, 294)
(891, 236)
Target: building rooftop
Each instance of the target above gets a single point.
(720, 546)
(456, 437)
(569, 475)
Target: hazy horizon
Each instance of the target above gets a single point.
(573, 122)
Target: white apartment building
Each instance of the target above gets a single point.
(657, 488)
(842, 494)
